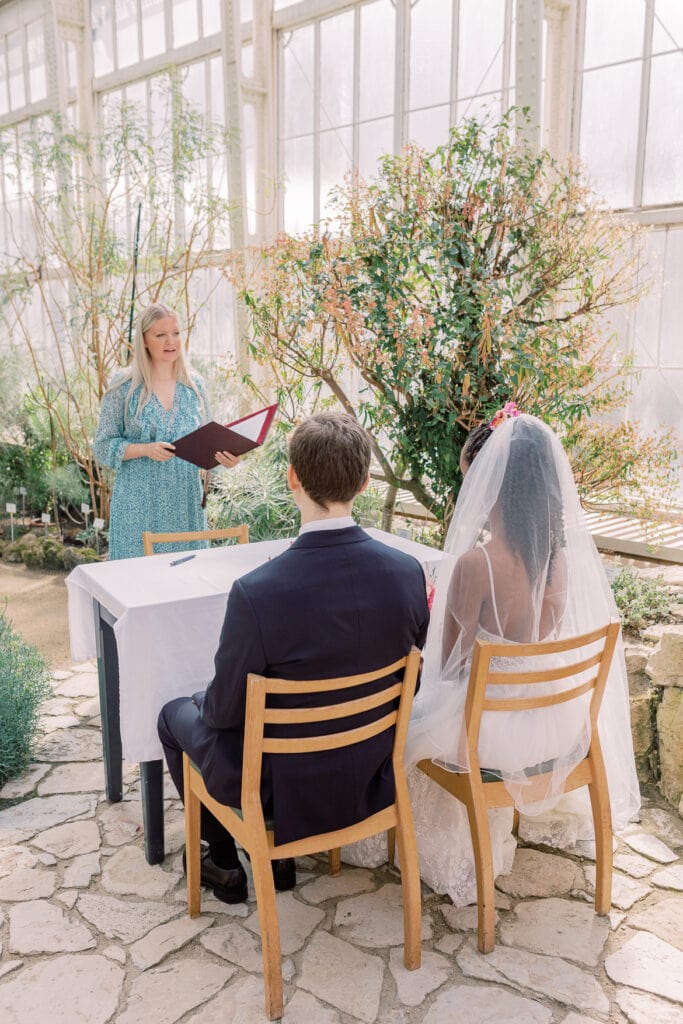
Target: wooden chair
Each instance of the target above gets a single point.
(150, 539)
(249, 827)
(482, 789)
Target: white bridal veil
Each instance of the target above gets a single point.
(518, 537)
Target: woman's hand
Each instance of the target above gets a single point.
(227, 460)
(160, 451)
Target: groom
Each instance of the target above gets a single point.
(336, 603)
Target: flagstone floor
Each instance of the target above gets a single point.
(90, 933)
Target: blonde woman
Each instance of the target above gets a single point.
(156, 399)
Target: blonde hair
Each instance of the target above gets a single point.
(140, 370)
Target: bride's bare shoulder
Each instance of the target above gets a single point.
(472, 565)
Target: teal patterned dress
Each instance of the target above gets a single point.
(159, 496)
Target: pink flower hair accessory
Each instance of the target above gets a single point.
(508, 412)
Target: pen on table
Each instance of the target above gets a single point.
(179, 561)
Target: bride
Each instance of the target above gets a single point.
(519, 566)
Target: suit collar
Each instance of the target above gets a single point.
(330, 538)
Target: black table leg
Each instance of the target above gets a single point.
(151, 772)
(108, 674)
(152, 792)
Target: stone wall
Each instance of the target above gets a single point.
(655, 679)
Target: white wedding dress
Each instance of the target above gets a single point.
(566, 593)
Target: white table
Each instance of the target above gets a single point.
(154, 629)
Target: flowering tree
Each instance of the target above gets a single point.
(454, 282)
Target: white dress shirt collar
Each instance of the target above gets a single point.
(339, 523)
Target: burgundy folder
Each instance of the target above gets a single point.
(238, 437)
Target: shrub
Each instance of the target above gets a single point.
(640, 601)
(257, 494)
(24, 682)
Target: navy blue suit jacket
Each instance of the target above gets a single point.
(336, 603)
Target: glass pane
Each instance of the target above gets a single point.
(194, 85)
(10, 167)
(102, 36)
(216, 91)
(4, 97)
(35, 51)
(336, 70)
(153, 28)
(430, 52)
(72, 117)
(429, 128)
(297, 84)
(246, 10)
(127, 45)
(336, 159)
(614, 31)
(480, 46)
(136, 96)
(248, 60)
(160, 109)
(15, 61)
(484, 108)
(667, 33)
(670, 347)
(185, 22)
(298, 167)
(71, 62)
(609, 130)
(279, 4)
(656, 400)
(663, 181)
(211, 16)
(648, 311)
(375, 138)
(377, 45)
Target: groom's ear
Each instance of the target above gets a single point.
(365, 484)
(293, 481)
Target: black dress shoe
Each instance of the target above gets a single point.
(228, 884)
(284, 874)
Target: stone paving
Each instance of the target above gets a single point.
(90, 933)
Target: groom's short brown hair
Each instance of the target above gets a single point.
(330, 454)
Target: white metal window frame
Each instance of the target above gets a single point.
(314, 12)
(647, 214)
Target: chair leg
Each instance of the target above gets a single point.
(192, 842)
(410, 881)
(483, 866)
(334, 860)
(270, 931)
(391, 846)
(602, 825)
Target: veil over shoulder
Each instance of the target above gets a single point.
(520, 489)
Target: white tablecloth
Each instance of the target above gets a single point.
(168, 623)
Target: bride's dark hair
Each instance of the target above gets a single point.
(530, 497)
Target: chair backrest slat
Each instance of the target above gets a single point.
(257, 715)
(331, 741)
(293, 687)
(570, 643)
(478, 699)
(528, 703)
(548, 676)
(149, 539)
(298, 716)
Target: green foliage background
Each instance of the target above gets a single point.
(24, 683)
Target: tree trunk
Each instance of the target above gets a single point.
(388, 507)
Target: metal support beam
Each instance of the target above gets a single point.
(232, 77)
(528, 70)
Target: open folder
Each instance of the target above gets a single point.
(238, 437)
